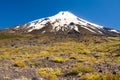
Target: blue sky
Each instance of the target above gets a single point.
(102, 12)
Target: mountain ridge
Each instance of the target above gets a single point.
(64, 22)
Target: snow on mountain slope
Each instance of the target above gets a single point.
(64, 21)
(114, 31)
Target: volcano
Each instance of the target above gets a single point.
(64, 22)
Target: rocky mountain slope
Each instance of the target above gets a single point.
(31, 57)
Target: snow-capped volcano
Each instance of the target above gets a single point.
(63, 22)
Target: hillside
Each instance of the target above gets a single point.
(59, 47)
(59, 57)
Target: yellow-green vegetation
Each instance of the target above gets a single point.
(58, 59)
(34, 63)
(80, 68)
(10, 36)
(49, 73)
(19, 63)
(108, 76)
(70, 57)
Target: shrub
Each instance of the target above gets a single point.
(49, 73)
(91, 77)
(74, 71)
(80, 68)
(85, 69)
(35, 63)
(100, 77)
(19, 63)
(58, 60)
